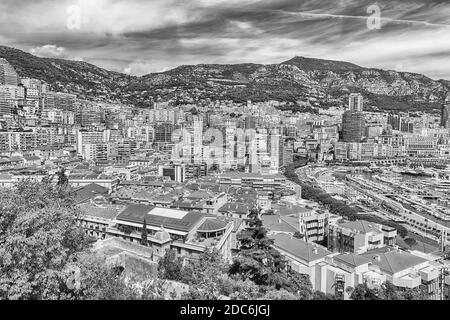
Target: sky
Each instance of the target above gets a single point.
(143, 36)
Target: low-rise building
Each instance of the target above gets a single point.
(358, 236)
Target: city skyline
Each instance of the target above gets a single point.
(413, 35)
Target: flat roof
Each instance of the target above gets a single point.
(170, 213)
(251, 175)
(156, 216)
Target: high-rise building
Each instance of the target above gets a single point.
(353, 126)
(355, 102)
(399, 123)
(445, 119)
(176, 172)
(250, 122)
(7, 73)
(163, 132)
(6, 106)
(89, 115)
(90, 137)
(59, 100)
(197, 139)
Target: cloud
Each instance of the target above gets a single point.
(50, 51)
(141, 36)
(141, 67)
(54, 52)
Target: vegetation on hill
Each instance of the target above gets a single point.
(322, 83)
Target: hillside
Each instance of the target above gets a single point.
(81, 78)
(305, 81)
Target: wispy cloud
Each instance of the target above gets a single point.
(140, 36)
(382, 19)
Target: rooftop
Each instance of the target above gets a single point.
(286, 209)
(299, 248)
(361, 226)
(393, 261)
(275, 223)
(155, 216)
(108, 212)
(351, 259)
(240, 208)
(211, 225)
(251, 175)
(89, 192)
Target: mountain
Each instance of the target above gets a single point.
(78, 77)
(304, 82)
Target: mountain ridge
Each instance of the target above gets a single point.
(300, 81)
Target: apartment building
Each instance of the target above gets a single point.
(358, 236)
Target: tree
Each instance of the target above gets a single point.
(279, 295)
(319, 295)
(238, 289)
(144, 239)
(44, 255)
(255, 260)
(38, 239)
(388, 291)
(363, 292)
(97, 281)
(63, 181)
(170, 266)
(259, 262)
(412, 294)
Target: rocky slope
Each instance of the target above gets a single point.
(315, 82)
